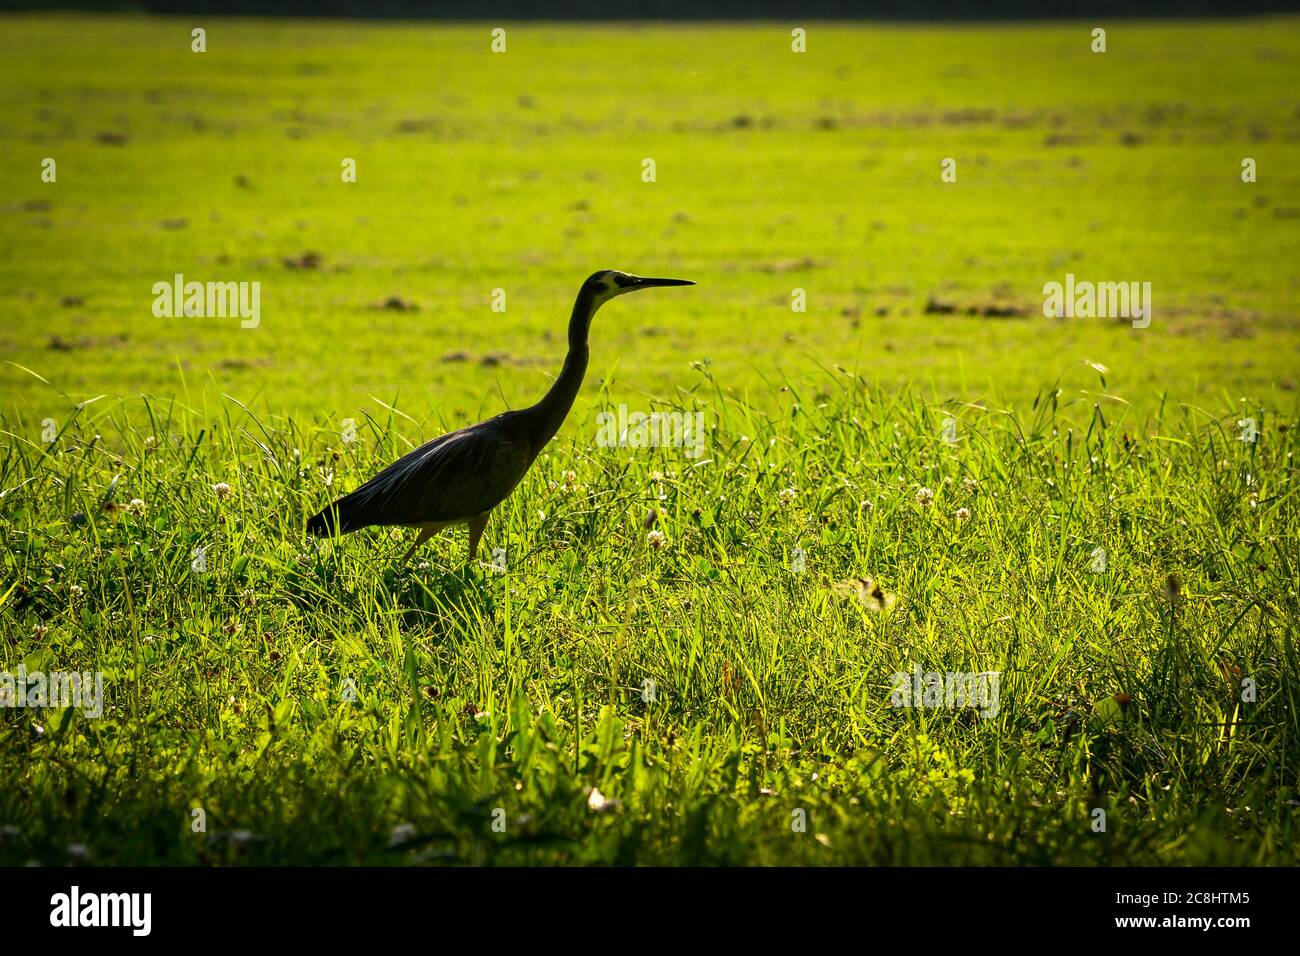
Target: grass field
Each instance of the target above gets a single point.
(717, 690)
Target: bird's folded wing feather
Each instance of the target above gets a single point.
(451, 478)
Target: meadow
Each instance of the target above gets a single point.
(659, 658)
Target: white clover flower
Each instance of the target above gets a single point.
(963, 514)
(222, 490)
(786, 496)
(656, 538)
(136, 507)
(924, 497)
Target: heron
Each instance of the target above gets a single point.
(458, 478)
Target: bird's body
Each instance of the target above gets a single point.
(454, 479)
(460, 477)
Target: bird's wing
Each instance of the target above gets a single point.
(451, 478)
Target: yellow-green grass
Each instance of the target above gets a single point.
(522, 171)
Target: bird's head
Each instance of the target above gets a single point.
(608, 283)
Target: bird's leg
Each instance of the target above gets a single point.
(476, 526)
(424, 535)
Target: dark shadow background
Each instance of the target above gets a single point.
(786, 10)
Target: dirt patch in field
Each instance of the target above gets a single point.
(58, 343)
(396, 303)
(991, 309)
(238, 364)
(779, 266)
(308, 260)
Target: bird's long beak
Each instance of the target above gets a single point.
(644, 283)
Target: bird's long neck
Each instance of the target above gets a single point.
(551, 411)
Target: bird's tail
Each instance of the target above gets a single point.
(331, 520)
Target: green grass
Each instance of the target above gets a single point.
(230, 689)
